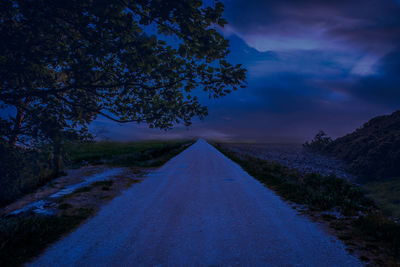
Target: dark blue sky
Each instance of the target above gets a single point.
(312, 64)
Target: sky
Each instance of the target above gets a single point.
(312, 65)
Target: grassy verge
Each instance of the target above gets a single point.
(25, 171)
(25, 236)
(360, 224)
(386, 194)
(132, 154)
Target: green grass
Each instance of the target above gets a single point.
(132, 154)
(365, 221)
(25, 171)
(24, 237)
(386, 194)
(318, 192)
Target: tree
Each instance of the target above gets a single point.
(319, 143)
(63, 63)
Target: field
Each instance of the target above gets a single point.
(129, 154)
(25, 235)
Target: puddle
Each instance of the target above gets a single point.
(104, 176)
(40, 207)
(45, 206)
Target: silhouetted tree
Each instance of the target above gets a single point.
(130, 61)
(320, 141)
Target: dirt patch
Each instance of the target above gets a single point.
(372, 252)
(75, 176)
(96, 195)
(27, 231)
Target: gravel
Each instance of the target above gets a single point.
(295, 157)
(199, 209)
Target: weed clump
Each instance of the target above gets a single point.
(23, 237)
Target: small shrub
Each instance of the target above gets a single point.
(319, 143)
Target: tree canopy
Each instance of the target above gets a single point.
(63, 63)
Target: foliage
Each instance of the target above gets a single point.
(63, 63)
(316, 191)
(386, 194)
(24, 236)
(25, 170)
(319, 143)
(133, 154)
(373, 151)
(22, 171)
(367, 222)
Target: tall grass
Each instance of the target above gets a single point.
(25, 236)
(316, 191)
(386, 193)
(365, 222)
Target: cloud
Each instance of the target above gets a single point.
(383, 88)
(369, 28)
(312, 64)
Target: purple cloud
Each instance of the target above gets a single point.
(369, 28)
(312, 64)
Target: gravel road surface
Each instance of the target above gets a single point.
(199, 209)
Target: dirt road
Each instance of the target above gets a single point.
(200, 209)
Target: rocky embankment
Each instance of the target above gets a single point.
(295, 157)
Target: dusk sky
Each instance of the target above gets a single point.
(312, 64)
